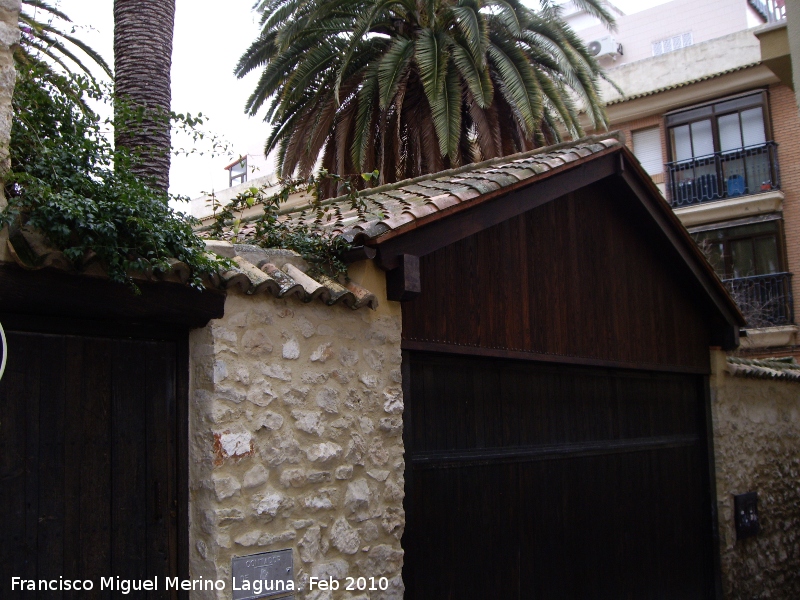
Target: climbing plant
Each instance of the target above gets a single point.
(67, 182)
(322, 249)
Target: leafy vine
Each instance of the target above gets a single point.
(321, 249)
(67, 182)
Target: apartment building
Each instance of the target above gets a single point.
(708, 107)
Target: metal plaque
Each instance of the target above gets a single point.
(265, 575)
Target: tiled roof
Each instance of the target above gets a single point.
(281, 273)
(680, 85)
(786, 369)
(393, 206)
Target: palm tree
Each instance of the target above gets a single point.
(415, 86)
(143, 32)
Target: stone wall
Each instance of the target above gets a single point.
(296, 438)
(757, 449)
(9, 35)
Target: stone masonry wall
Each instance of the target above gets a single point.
(757, 449)
(9, 35)
(296, 439)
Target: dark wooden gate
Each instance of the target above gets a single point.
(553, 482)
(556, 408)
(90, 477)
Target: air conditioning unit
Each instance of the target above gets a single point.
(605, 46)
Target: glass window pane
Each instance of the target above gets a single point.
(681, 142)
(713, 252)
(742, 258)
(702, 139)
(753, 127)
(766, 250)
(730, 135)
(751, 230)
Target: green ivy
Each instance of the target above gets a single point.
(67, 182)
(320, 248)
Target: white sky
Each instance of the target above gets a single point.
(209, 38)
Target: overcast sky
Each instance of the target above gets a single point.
(209, 38)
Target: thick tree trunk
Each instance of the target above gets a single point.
(142, 59)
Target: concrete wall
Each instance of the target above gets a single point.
(705, 20)
(757, 449)
(688, 64)
(296, 438)
(9, 35)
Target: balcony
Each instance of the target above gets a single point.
(765, 300)
(770, 10)
(722, 175)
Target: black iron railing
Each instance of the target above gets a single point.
(750, 170)
(765, 300)
(771, 10)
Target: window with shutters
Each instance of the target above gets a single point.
(721, 150)
(647, 148)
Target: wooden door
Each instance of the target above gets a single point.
(88, 460)
(553, 482)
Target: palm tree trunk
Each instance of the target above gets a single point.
(142, 59)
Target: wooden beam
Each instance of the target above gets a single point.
(403, 282)
(58, 294)
(445, 348)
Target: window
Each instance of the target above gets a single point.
(743, 251)
(237, 171)
(749, 258)
(720, 127)
(721, 150)
(647, 148)
(673, 43)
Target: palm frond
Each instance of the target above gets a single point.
(392, 67)
(38, 35)
(414, 86)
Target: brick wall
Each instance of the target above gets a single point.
(786, 132)
(629, 127)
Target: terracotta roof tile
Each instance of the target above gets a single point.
(445, 201)
(395, 205)
(423, 210)
(500, 178)
(481, 185)
(391, 206)
(785, 369)
(279, 273)
(395, 221)
(425, 192)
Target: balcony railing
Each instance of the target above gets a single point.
(721, 175)
(771, 10)
(765, 300)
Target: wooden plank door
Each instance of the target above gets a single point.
(88, 460)
(555, 483)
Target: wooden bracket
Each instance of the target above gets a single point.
(358, 253)
(403, 282)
